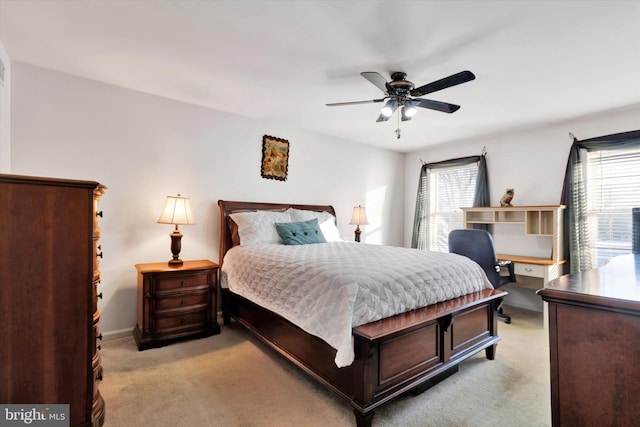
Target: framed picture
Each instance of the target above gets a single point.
(275, 158)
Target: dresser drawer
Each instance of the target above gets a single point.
(97, 339)
(187, 320)
(180, 301)
(531, 270)
(97, 375)
(169, 283)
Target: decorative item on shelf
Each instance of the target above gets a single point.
(506, 199)
(177, 211)
(359, 218)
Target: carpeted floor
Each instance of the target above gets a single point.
(232, 380)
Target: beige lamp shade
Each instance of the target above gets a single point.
(177, 210)
(359, 216)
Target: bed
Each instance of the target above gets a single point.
(410, 351)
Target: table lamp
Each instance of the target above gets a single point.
(359, 218)
(177, 211)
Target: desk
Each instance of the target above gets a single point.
(536, 271)
(594, 337)
(543, 222)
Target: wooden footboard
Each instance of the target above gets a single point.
(413, 350)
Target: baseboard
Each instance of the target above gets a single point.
(112, 335)
(121, 333)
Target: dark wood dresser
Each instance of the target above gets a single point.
(49, 248)
(176, 302)
(594, 343)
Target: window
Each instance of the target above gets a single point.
(445, 187)
(449, 189)
(612, 189)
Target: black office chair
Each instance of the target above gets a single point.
(478, 246)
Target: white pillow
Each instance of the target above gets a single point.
(256, 228)
(325, 219)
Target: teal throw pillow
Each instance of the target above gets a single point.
(300, 233)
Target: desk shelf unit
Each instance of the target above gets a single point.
(537, 221)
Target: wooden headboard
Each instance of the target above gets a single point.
(228, 207)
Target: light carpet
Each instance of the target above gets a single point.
(232, 379)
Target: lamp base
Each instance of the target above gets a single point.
(176, 246)
(358, 231)
(175, 262)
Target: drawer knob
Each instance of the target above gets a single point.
(181, 302)
(99, 214)
(100, 295)
(99, 347)
(99, 337)
(183, 320)
(99, 376)
(99, 254)
(182, 283)
(528, 269)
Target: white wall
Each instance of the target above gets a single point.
(531, 161)
(5, 113)
(144, 147)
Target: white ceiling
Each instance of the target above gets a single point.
(537, 62)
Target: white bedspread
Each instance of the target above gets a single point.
(328, 288)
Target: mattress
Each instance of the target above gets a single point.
(328, 288)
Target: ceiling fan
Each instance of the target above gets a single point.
(401, 93)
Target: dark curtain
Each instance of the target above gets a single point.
(575, 231)
(421, 217)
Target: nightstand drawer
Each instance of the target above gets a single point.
(172, 283)
(186, 320)
(531, 270)
(182, 301)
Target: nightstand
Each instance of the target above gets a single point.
(175, 303)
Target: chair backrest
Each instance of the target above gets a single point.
(478, 246)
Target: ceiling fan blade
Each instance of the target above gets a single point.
(453, 80)
(435, 105)
(377, 79)
(334, 104)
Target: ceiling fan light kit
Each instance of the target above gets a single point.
(388, 108)
(408, 109)
(400, 92)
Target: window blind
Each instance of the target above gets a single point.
(450, 189)
(612, 188)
